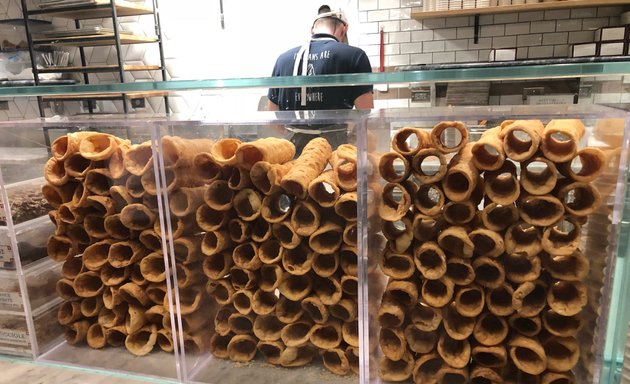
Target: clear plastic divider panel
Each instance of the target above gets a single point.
(491, 239)
(263, 213)
(101, 211)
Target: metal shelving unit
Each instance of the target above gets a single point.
(99, 9)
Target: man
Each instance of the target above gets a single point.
(324, 54)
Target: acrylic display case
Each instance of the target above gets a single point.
(228, 263)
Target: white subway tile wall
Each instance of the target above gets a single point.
(536, 34)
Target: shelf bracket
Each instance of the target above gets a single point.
(476, 37)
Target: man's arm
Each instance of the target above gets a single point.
(365, 101)
(271, 106)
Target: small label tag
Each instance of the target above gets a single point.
(6, 253)
(11, 336)
(10, 300)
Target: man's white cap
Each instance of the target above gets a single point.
(335, 14)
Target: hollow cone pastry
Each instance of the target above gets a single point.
(142, 342)
(152, 268)
(437, 293)
(560, 139)
(330, 290)
(55, 172)
(134, 294)
(488, 154)
(297, 356)
(502, 186)
(528, 355)
(271, 350)
(480, 374)
(135, 319)
(393, 208)
(499, 300)
(125, 253)
(272, 150)
(326, 336)
(96, 336)
(326, 239)
(429, 199)
(522, 238)
(286, 235)
(541, 211)
(98, 146)
(391, 314)
(579, 199)
(442, 143)
(538, 176)
(336, 361)
(489, 272)
(103, 204)
(305, 218)
(567, 298)
(116, 164)
(307, 167)
(426, 367)
(57, 195)
(591, 164)
(346, 206)
(558, 378)
(397, 265)
(247, 204)
(66, 145)
(497, 217)
(563, 353)
(399, 233)
(136, 186)
(215, 242)
(267, 176)
(562, 238)
(76, 333)
(526, 326)
(449, 375)
(487, 243)
(242, 348)
(388, 164)
(210, 219)
(455, 353)
(490, 329)
(520, 268)
(139, 158)
(239, 179)
(115, 228)
(295, 287)
(72, 267)
(71, 214)
(120, 197)
(419, 341)
(69, 312)
(396, 370)
(224, 150)
(455, 241)
(430, 260)
(242, 278)
(78, 166)
(426, 228)
(458, 327)
(324, 189)
(179, 152)
(137, 217)
(459, 213)
(403, 292)
(521, 139)
(219, 196)
(494, 356)
(185, 201)
(574, 267)
(96, 255)
(461, 178)
(151, 240)
(408, 141)
(316, 309)
(559, 325)
(297, 261)
(344, 164)
(469, 301)
(60, 248)
(276, 207)
(423, 171)
(221, 290)
(206, 168)
(267, 327)
(88, 284)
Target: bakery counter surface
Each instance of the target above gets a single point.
(18, 371)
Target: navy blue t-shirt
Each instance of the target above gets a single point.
(327, 56)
